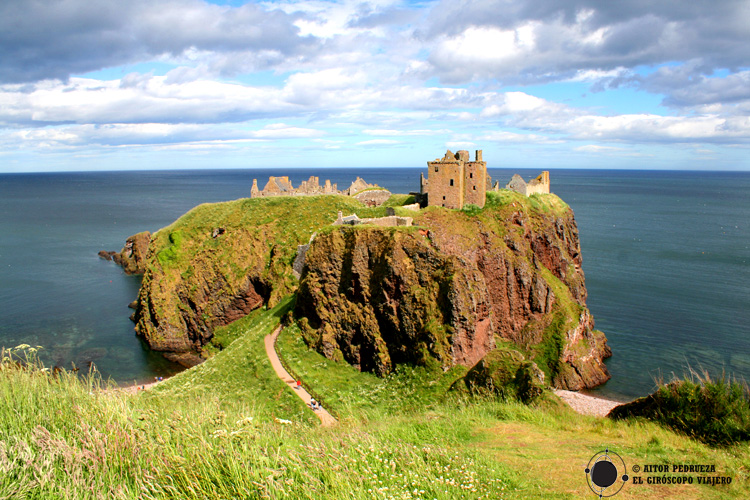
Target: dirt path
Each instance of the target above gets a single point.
(325, 418)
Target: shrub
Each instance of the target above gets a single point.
(713, 411)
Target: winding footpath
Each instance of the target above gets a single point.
(270, 341)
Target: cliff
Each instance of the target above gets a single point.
(439, 294)
(132, 257)
(220, 261)
(448, 293)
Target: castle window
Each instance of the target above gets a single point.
(471, 175)
(475, 188)
(443, 197)
(436, 169)
(451, 182)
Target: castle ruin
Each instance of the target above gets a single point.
(280, 186)
(455, 181)
(369, 194)
(540, 185)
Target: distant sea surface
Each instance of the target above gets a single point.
(666, 257)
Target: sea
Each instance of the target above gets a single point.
(666, 256)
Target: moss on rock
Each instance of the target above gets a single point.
(506, 373)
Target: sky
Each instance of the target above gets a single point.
(180, 84)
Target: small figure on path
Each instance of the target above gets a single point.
(313, 403)
(299, 384)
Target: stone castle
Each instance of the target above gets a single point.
(455, 180)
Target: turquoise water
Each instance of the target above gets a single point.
(666, 257)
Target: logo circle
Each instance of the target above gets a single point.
(604, 474)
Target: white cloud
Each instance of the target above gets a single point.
(283, 131)
(395, 132)
(513, 137)
(378, 142)
(352, 70)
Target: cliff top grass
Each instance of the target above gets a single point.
(547, 203)
(202, 435)
(287, 221)
(290, 220)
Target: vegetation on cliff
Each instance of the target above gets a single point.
(220, 261)
(713, 411)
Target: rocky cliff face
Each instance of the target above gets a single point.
(377, 297)
(219, 262)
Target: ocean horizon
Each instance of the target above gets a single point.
(666, 254)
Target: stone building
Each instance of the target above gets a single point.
(540, 185)
(455, 181)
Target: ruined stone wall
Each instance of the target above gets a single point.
(517, 184)
(540, 185)
(373, 198)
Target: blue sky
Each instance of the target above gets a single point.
(145, 84)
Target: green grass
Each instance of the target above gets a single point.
(360, 395)
(399, 200)
(64, 437)
(547, 203)
(241, 372)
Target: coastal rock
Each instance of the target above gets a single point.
(504, 372)
(104, 254)
(376, 298)
(132, 257)
(437, 295)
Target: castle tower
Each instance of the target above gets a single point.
(475, 181)
(455, 181)
(254, 191)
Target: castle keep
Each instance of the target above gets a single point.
(455, 180)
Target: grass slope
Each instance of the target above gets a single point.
(209, 433)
